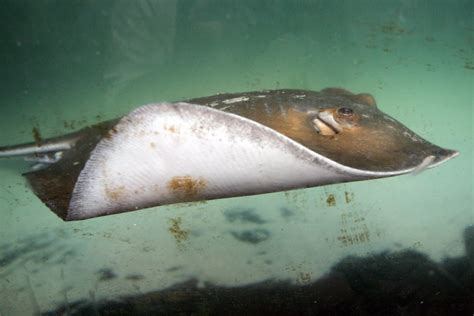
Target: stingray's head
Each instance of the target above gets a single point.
(351, 130)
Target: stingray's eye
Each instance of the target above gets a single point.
(345, 111)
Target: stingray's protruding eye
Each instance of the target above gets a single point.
(345, 112)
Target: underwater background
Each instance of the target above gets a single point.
(396, 245)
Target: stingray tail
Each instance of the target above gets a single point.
(29, 149)
(54, 183)
(43, 153)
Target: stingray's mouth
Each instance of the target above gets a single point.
(325, 124)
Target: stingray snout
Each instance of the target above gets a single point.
(442, 155)
(435, 159)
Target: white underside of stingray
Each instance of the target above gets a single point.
(167, 153)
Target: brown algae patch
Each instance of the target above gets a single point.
(349, 196)
(353, 230)
(357, 238)
(172, 129)
(187, 187)
(175, 229)
(111, 132)
(37, 136)
(115, 194)
(331, 200)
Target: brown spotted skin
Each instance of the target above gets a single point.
(373, 141)
(186, 188)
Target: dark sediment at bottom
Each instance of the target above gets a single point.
(389, 283)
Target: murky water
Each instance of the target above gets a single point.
(403, 243)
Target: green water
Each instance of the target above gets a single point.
(68, 64)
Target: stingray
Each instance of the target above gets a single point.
(222, 146)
